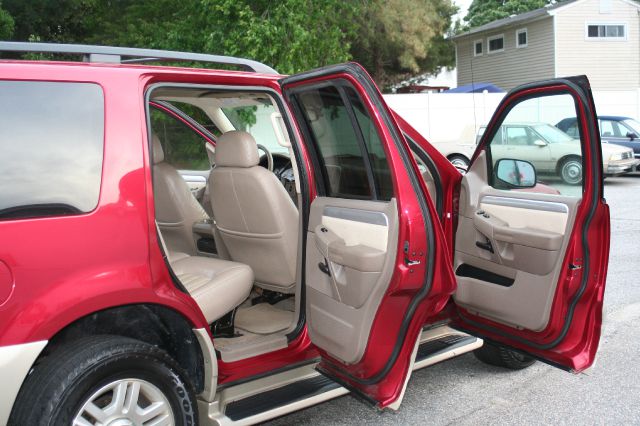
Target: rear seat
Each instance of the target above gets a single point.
(218, 286)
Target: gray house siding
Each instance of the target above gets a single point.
(609, 64)
(513, 66)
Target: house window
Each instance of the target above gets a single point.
(495, 44)
(477, 48)
(606, 31)
(522, 38)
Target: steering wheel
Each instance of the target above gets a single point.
(269, 157)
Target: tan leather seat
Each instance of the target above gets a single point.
(218, 286)
(256, 217)
(176, 208)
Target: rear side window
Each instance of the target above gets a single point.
(183, 147)
(51, 148)
(348, 147)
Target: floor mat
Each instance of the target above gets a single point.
(263, 318)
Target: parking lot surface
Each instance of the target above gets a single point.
(465, 391)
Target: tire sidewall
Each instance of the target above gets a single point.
(566, 163)
(128, 366)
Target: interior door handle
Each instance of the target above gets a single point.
(485, 246)
(324, 267)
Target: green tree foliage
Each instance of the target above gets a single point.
(6, 24)
(484, 11)
(391, 38)
(398, 38)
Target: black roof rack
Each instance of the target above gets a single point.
(123, 55)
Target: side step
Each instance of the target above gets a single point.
(279, 397)
(292, 390)
(442, 343)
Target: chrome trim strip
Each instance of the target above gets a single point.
(357, 215)
(547, 206)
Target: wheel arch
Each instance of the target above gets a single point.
(155, 324)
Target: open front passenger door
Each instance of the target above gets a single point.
(372, 249)
(532, 242)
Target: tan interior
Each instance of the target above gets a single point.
(255, 216)
(176, 207)
(355, 242)
(529, 235)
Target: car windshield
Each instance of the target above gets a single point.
(256, 119)
(633, 124)
(552, 134)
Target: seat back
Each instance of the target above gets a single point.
(254, 214)
(176, 207)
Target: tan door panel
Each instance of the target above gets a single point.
(347, 271)
(509, 250)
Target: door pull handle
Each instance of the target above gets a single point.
(324, 267)
(485, 246)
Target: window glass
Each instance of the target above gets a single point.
(496, 44)
(610, 128)
(530, 137)
(256, 119)
(183, 148)
(522, 38)
(51, 148)
(373, 146)
(605, 31)
(632, 126)
(198, 115)
(352, 157)
(478, 48)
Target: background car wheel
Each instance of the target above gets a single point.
(503, 357)
(105, 380)
(460, 162)
(571, 171)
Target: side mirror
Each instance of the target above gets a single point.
(632, 135)
(515, 173)
(540, 143)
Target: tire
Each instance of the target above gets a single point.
(570, 171)
(503, 357)
(459, 161)
(98, 369)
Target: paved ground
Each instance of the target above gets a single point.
(464, 391)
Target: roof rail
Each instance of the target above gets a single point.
(117, 55)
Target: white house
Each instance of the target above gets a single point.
(599, 38)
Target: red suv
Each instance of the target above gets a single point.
(184, 246)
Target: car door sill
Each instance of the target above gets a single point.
(282, 393)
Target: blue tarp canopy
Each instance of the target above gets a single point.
(476, 88)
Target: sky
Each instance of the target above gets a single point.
(464, 6)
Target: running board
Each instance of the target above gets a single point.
(283, 393)
(442, 343)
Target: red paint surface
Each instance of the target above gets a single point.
(65, 268)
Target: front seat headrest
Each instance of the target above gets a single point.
(236, 149)
(158, 152)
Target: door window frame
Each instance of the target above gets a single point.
(315, 153)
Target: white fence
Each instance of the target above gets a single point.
(455, 117)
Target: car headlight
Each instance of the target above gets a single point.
(616, 157)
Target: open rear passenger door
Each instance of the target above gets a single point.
(372, 250)
(531, 249)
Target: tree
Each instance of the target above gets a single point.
(484, 11)
(6, 24)
(397, 38)
(391, 38)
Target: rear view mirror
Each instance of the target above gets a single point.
(516, 173)
(540, 143)
(632, 135)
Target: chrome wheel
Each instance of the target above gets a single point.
(126, 402)
(460, 163)
(571, 171)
